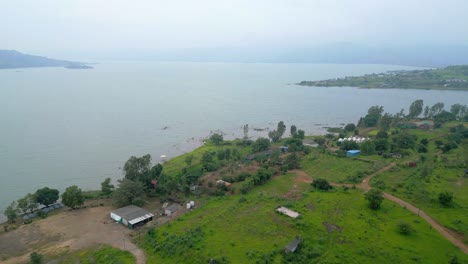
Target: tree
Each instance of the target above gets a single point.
(426, 111)
(293, 130)
(36, 258)
(322, 184)
(374, 197)
(73, 197)
(47, 196)
(382, 135)
(446, 198)
(275, 135)
(292, 161)
(217, 138)
(245, 129)
(189, 159)
(281, 128)
(300, 134)
(138, 169)
(373, 116)
(27, 204)
(416, 108)
(128, 192)
(386, 121)
(10, 212)
(405, 228)
(350, 127)
(405, 141)
(106, 186)
(436, 109)
(381, 144)
(367, 147)
(261, 144)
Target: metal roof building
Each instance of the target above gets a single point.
(131, 216)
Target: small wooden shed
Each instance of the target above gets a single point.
(293, 245)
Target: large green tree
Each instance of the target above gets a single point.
(217, 138)
(139, 169)
(373, 116)
(374, 197)
(27, 204)
(10, 212)
(47, 196)
(107, 187)
(261, 144)
(73, 197)
(128, 192)
(416, 108)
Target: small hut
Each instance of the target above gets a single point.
(293, 245)
(172, 209)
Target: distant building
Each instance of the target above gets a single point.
(353, 153)
(293, 245)
(131, 216)
(172, 209)
(225, 183)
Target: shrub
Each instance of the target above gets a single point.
(36, 258)
(322, 184)
(446, 198)
(405, 228)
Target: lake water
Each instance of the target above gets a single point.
(63, 127)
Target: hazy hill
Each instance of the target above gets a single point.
(10, 59)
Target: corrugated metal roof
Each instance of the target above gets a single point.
(133, 214)
(173, 208)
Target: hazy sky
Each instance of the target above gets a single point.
(53, 27)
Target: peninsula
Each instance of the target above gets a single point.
(449, 78)
(12, 59)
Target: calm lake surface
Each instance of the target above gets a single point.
(63, 127)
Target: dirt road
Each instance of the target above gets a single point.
(365, 186)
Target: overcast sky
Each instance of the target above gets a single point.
(52, 27)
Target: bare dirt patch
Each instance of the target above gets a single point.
(72, 229)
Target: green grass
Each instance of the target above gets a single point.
(101, 254)
(248, 230)
(336, 169)
(175, 165)
(444, 174)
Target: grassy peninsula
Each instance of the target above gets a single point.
(449, 78)
(416, 164)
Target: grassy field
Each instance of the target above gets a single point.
(336, 227)
(421, 186)
(336, 169)
(100, 254)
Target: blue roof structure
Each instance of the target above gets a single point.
(353, 152)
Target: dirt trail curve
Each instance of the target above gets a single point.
(365, 186)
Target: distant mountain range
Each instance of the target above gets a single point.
(339, 53)
(10, 59)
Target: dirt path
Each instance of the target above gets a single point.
(444, 232)
(69, 230)
(365, 183)
(366, 187)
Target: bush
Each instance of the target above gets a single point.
(36, 258)
(375, 198)
(322, 184)
(446, 199)
(405, 228)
